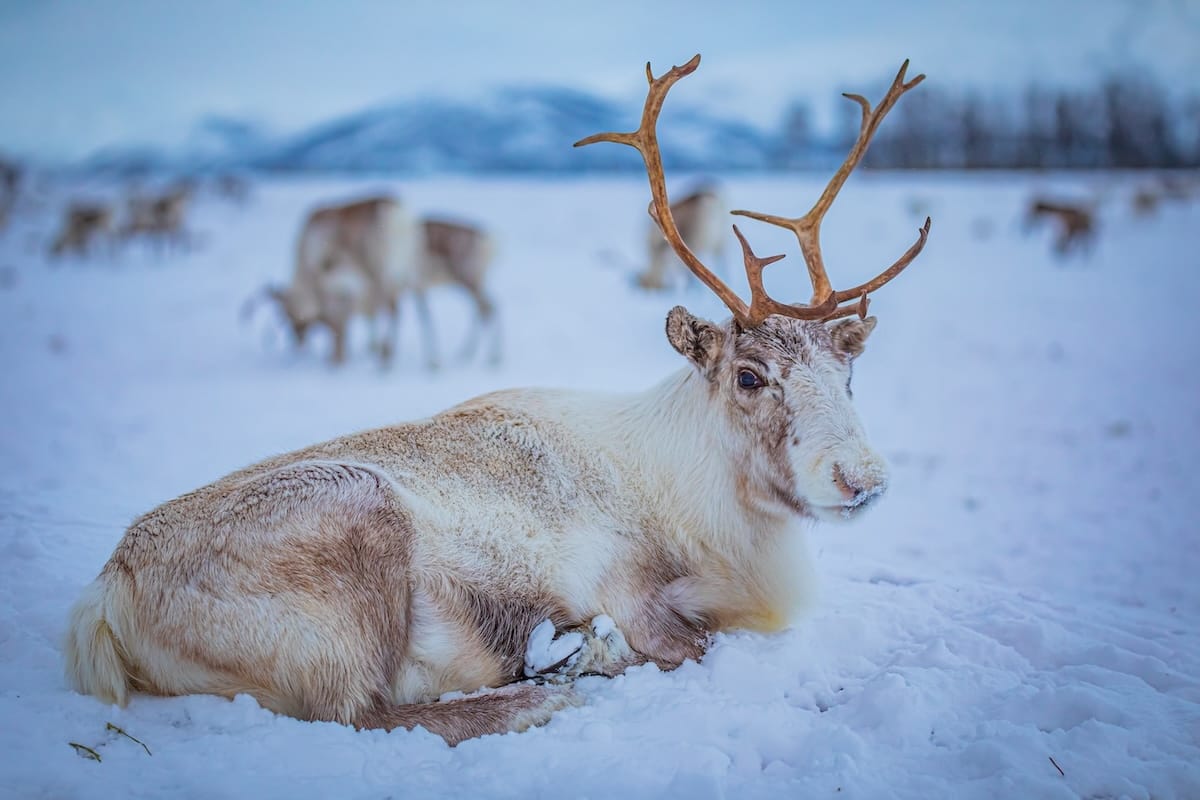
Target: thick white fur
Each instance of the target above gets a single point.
(406, 549)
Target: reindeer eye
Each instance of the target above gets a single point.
(748, 380)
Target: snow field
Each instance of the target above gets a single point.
(1026, 591)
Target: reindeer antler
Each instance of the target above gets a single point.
(826, 303)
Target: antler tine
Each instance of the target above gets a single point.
(892, 271)
(826, 303)
(807, 228)
(645, 141)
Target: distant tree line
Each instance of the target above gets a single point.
(1125, 122)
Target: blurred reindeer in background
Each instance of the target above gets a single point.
(1075, 223)
(351, 259)
(10, 183)
(700, 216)
(1145, 201)
(456, 254)
(361, 258)
(1162, 189)
(232, 187)
(160, 218)
(85, 223)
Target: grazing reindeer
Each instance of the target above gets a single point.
(83, 224)
(1076, 223)
(161, 218)
(361, 258)
(699, 216)
(360, 579)
(351, 259)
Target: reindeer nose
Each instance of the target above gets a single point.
(857, 486)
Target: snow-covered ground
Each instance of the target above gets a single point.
(1025, 597)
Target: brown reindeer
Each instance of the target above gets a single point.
(1075, 223)
(10, 182)
(85, 224)
(525, 532)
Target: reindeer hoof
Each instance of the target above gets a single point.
(598, 648)
(547, 653)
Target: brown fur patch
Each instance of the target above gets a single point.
(500, 622)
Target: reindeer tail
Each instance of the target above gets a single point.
(94, 662)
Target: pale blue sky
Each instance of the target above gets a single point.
(75, 76)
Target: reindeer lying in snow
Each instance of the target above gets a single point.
(361, 258)
(522, 532)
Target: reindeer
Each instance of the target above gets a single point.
(456, 254)
(352, 259)
(522, 533)
(161, 218)
(83, 224)
(10, 182)
(698, 215)
(10, 178)
(362, 257)
(232, 187)
(1076, 223)
(1145, 201)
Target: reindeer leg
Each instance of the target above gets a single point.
(391, 327)
(431, 356)
(494, 323)
(598, 648)
(338, 328)
(511, 708)
(485, 317)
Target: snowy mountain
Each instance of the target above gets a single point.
(514, 130)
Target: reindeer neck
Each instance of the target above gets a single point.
(676, 436)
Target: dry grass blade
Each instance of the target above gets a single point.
(110, 727)
(86, 752)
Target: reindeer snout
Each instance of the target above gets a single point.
(860, 483)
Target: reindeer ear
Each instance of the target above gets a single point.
(850, 336)
(697, 339)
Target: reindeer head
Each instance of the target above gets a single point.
(784, 388)
(298, 308)
(782, 370)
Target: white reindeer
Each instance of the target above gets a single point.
(361, 579)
